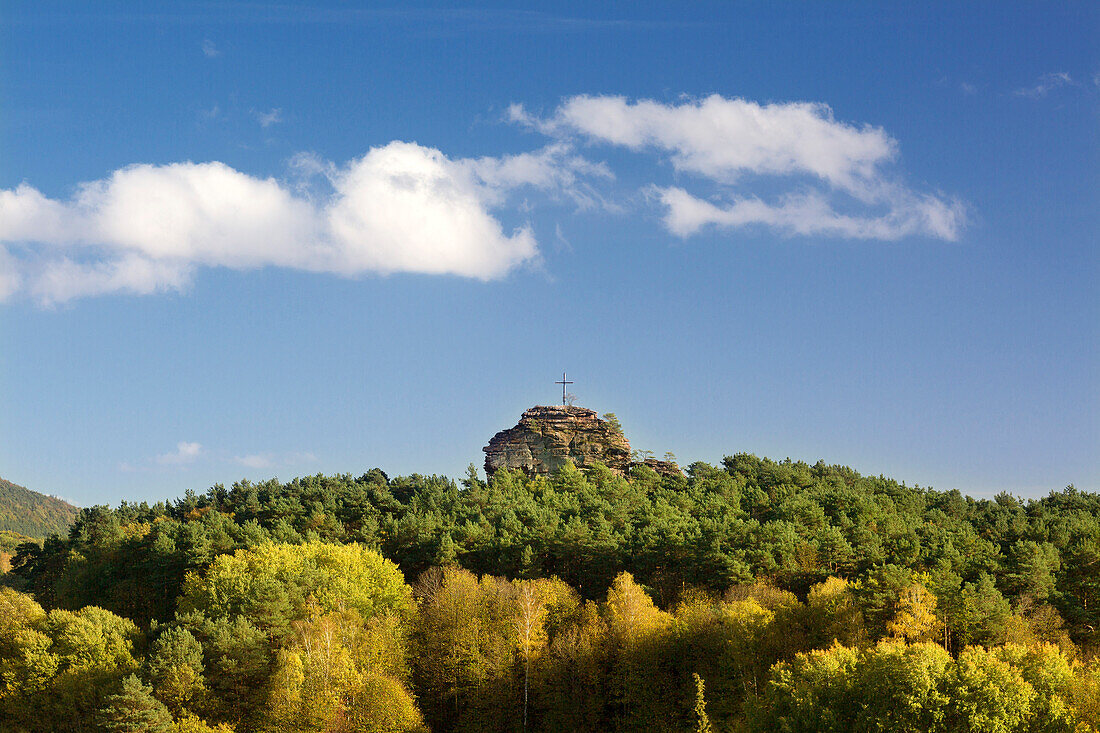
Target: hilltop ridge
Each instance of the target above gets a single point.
(32, 515)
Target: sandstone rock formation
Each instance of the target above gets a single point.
(663, 468)
(548, 435)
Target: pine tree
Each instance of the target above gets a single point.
(175, 668)
(135, 710)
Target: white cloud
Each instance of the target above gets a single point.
(554, 168)
(1045, 84)
(407, 208)
(185, 453)
(256, 460)
(271, 460)
(61, 279)
(811, 214)
(563, 242)
(824, 164)
(400, 208)
(726, 138)
(404, 207)
(267, 119)
(209, 50)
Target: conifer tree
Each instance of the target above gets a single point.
(135, 710)
(175, 668)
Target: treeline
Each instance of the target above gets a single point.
(752, 596)
(789, 523)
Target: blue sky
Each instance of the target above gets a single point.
(240, 240)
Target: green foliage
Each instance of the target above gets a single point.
(612, 421)
(899, 687)
(272, 585)
(790, 523)
(135, 710)
(195, 724)
(986, 693)
(57, 668)
(175, 669)
(808, 598)
(27, 663)
(571, 675)
(834, 615)
(237, 661)
(467, 645)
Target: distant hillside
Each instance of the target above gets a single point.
(28, 513)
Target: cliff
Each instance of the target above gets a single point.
(548, 435)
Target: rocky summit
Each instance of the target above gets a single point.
(548, 435)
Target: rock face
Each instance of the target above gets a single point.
(663, 468)
(546, 436)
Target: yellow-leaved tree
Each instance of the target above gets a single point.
(273, 585)
(480, 644)
(915, 619)
(636, 630)
(344, 675)
(337, 618)
(57, 669)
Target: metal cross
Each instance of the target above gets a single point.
(563, 382)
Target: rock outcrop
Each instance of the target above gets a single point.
(663, 468)
(547, 436)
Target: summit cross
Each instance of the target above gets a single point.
(563, 382)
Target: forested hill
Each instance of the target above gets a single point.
(757, 594)
(788, 523)
(30, 514)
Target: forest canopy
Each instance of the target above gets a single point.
(755, 595)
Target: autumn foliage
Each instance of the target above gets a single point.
(760, 596)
